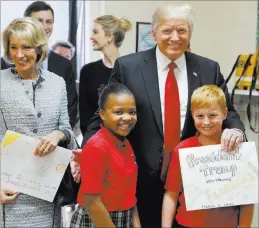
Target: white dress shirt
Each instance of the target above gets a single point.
(180, 73)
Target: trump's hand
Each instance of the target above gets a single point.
(231, 139)
(76, 155)
(7, 196)
(75, 165)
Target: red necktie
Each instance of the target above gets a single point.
(171, 118)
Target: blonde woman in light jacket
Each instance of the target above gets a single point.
(34, 103)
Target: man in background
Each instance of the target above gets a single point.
(67, 50)
(64, 48)
(54, 63)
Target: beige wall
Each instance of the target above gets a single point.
(222, 31)
(14, 9)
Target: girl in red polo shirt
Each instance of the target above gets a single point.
(106, 196)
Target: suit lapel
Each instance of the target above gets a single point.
(150, 75)
(50, 61)
(193, 74)
(193, 77)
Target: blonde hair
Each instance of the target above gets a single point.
(205, 96)
(174, 10)
(116, 27)
(28, 29)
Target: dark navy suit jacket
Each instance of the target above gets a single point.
(139, 73)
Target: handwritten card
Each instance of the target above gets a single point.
(22, 171)
(212, 178)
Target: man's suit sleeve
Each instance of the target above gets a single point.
(72, 95)
(116, 73)
(86, 109)
(92, 128)
(4, 64)
(233, 118)
(95, 122)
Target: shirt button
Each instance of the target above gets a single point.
(27, 92)
(39, 114)
(35, 131)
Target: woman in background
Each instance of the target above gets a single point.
(34, 103)
(108, 35)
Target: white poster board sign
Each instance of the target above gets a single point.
(23, 172)
(212, 178)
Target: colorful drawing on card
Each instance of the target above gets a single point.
(23, 172)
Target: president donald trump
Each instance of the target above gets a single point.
(162, 80)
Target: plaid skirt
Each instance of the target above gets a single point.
(121, 219)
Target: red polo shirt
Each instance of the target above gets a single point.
(108, 168)
(215, 217)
